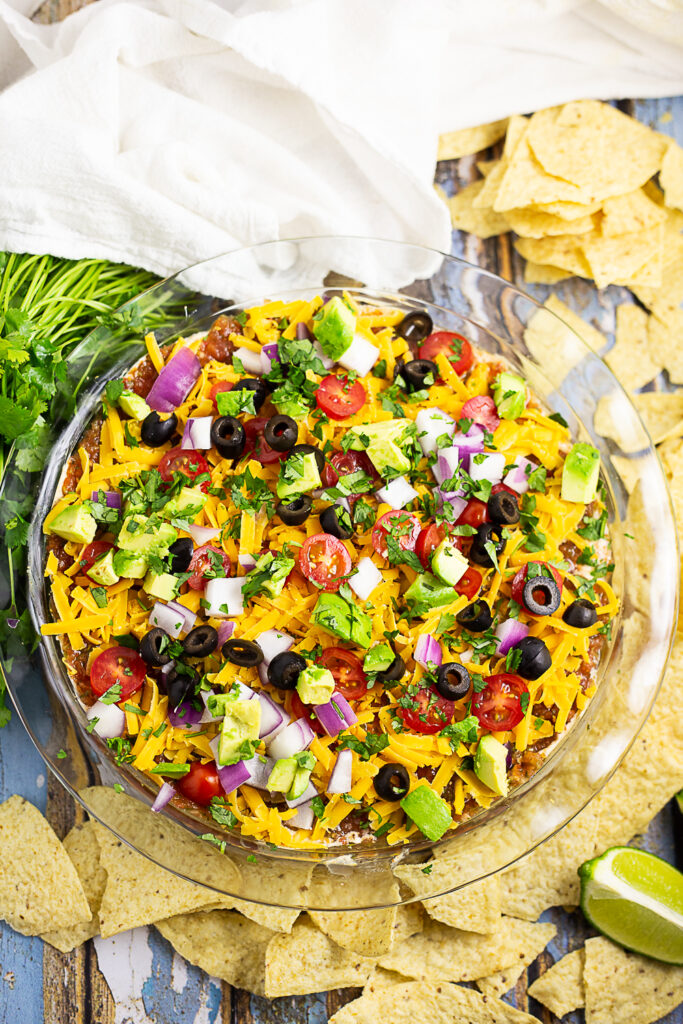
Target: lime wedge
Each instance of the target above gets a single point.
(635, 899)
(679, 800)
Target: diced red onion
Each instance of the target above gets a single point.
(308, 794)
(208, 716)
(197, 433)
(269, 355)
(185, 716)
(112, 499)
(202, 534)
(510, 633)
(253, 772)
(251, 361)
(224, 597)
(518, 478)
(398, 493)
(167, 618)
(340, 779)
(471, 441)
(447, 464)
(303, 333)
(274, 718)
(297, 736)
(427, 651)
(232, 776)
(175, 382)
(272, 643)
(225, 631)
(431, 424)
(452, 498)
(365, 579)
(489, 466)
(111, 720)
(360, 356)
(303, 818)
(246, 561)
(189, 616)
(164, 796)
(13, 623)
(336, 715)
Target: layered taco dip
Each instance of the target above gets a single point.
(330, 574)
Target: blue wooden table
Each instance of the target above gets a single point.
(38, 985)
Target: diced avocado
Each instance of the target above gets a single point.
(428, 811)
(136, 502)
(103, 571)
(580, 473)
(509, 394)
(343, 619)
(187, 503)
(140, 534)
(378, 658)
(490, 764)
(387, 458)
(130, 565)
(161, 585)
(363, 435)
(271, 572)
(241, 724)
(448, 562)
(427, 592)
(74, 523)
(302, 777)
(134, 406)
(298, 474)
(315, 685)
(335, 327)
(282, 775)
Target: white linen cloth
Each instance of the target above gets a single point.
(161, 132)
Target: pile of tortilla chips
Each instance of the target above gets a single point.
(594, 193)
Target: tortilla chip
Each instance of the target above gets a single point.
(515, 131)
(671, 176)
(562, 251)
(630, 359)
(614, 418)
(624, 988)
(368, 932)
(465, 217)
(530, 223)
(84, 850)
(568, 211)
(409, 921)
(474, 908)
(306, 961)
(486, 166)
(630, 257)
(664, 341)
(595, 147)
(526, 183)
(628, 470)
(591, 335)
(544, 273)
(39, 886)
(381, 978)
(496, 985)
(561, 988)
(466, 141)
(223, 943)
(662, 414)
(622, 215)
(433, 1003)
(441, 953)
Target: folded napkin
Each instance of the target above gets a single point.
(161, 132)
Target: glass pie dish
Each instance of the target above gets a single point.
(503, 322)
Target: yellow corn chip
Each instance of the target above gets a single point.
(664, 336)
(567, 211)
(526, 183)
(465, 217)
(561, 988)
(544, 273)
(515, 131)
(591, 335)
(622, 215)
(671, 176)
(561, 251)
(466, 141)
(428, 1003)
(532, 223)
(662, 414)
(474, 908)
(630, 359)
(84, 850)
(306, 961)
(369, 932)
(624, 988)
(636, 256)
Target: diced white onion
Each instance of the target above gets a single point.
(272, 643)
(360, 356)
(340, 779)
(296, 737)
(202, 535)
(224, 597)
(432, 423)
(488, 467)
(197, 433)
(447, 464)
(246, 561)
(274, 718)
(308, 794)
(111, 721)
(518, 478)
(303, 817)
(169, 619)
(365, 579)
(207, 716)
(189, 617)
(322, 356)
(251, 361)
(398, 493)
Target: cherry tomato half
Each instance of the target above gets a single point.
(207, 563)
(428, 541)
(217, 389)
(456, 349)
(117, 665)
(191, 463)
(482, 410)
(431, 711)
(338, 398)
(324, 560)
(345, 463)
(93, 553)
(498, 706)
(297, 709)
(474, 514)
(497, 488)
(347, 669)
(469, 583)
(403, 526)
(520, 578)
(201, 784)
(255, 444)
